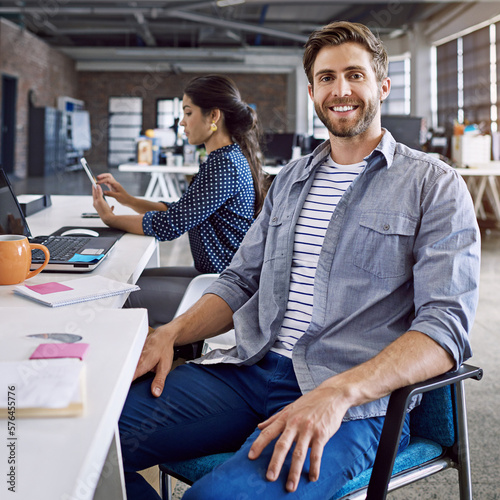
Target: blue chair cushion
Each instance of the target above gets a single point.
(419, 450)
(433, 418)
(195, 468)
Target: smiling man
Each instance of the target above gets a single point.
(360, 276)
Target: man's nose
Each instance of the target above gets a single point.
(341, 88)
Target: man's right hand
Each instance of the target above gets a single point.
(157, 356)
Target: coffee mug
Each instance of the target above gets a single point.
(15, 259)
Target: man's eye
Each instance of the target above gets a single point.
(325, 79)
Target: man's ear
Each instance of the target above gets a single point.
(385, 89)
(310, 89)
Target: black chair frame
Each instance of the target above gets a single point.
(382, 481)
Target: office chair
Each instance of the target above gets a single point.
(439, 440)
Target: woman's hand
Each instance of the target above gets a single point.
(101, 205)
(115, 189)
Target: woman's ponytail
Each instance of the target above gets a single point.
(220, 92)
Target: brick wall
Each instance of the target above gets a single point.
(267, 91)
(50, 74)
(38, 68)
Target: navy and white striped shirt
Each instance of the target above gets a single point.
(330, 183)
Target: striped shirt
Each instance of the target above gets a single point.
(330, 183)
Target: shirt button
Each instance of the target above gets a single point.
(386, 227)
(275, 219)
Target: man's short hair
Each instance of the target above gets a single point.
(340, 32)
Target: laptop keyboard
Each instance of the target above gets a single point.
(60, 248)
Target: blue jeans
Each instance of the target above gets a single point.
(216, 408)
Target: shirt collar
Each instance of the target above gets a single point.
(383, 154)
(385, 149)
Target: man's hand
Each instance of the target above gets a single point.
(308, 422)
(157, 356)
(315, 417)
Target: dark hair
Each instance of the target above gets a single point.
(220, 92)
(341, 32)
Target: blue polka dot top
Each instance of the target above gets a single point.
(217, 210)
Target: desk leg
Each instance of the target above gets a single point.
(172, 187)
(152, 184)
(166, 190)
(154, 261)
(111, 484)
(477, 188)
(493, 197)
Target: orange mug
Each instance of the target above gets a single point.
(15, 259)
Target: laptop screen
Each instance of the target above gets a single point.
(12, 220)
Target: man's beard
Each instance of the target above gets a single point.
(342, 127)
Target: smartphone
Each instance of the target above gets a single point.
(90, 215)
(89, 173)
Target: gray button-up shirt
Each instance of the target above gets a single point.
(401, 252)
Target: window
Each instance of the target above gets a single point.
(167, 110)
(447, 83)
(398, 101)
(125, 124)
(467, 79)
(476, 76)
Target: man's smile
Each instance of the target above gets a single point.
(342, 109)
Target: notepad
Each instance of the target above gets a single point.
(42, 388)
(60, 350)
(56, 294)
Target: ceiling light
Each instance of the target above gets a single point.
(227, 3)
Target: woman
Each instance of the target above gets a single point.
(218, 207)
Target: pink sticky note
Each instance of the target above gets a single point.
(51, 287)
(48, 351)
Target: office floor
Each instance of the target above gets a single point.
(483, 400)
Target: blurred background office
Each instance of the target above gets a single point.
(104, 79)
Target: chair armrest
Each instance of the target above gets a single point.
(394, 420)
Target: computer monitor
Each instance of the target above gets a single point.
(405, 129)
(278, 148)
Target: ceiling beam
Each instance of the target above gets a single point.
(144, 31)
(183, 13)
(202, 19)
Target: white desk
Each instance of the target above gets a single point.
(481, 180)
(64, 458)
(126, 261)
(164, 182)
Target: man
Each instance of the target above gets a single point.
(360, 276)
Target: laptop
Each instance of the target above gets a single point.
(76, 253)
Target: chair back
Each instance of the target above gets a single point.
(194, 291)
(434, 417)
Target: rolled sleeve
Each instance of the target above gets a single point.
(446, 271)
(147, 224)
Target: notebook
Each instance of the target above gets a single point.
(57, 390)
(76, 253)
(56, 294)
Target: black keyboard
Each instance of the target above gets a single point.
(61, 248)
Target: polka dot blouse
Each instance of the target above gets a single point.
(217, 210)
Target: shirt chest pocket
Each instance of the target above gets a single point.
(276, 237)
(383, 244)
